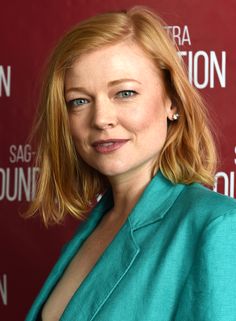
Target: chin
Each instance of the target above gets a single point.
(111, 171)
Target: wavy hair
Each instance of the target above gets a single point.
(66, 184)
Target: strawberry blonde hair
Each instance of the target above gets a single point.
(66, 184)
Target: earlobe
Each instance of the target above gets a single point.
(172, 113)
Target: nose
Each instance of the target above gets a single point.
(104, 114)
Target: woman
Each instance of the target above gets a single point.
(119, 118)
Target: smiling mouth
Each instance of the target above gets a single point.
(108, 146)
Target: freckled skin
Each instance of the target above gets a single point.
(118, 94)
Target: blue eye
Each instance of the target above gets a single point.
(77, 102)
(126, 93)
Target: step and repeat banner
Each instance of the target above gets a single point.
(205, 34)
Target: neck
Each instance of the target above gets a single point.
(127, 189)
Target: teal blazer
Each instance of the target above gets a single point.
(174, 259)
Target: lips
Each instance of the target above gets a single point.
(108, 145)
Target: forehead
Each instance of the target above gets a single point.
(124, 59)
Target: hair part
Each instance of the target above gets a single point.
(66, 184)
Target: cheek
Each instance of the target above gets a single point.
(152, 116)
(76, 126)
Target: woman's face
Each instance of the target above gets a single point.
(117, 109)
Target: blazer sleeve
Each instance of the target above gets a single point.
(210, 289)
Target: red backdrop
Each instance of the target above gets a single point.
(205, 33)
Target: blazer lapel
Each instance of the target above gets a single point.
(116, 260)
(104, 277)
(119, 256)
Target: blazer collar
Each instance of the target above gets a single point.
(159, 195)
(156, 200)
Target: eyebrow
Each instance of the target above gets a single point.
(76, 89)
(110, 84)
(118, 81)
